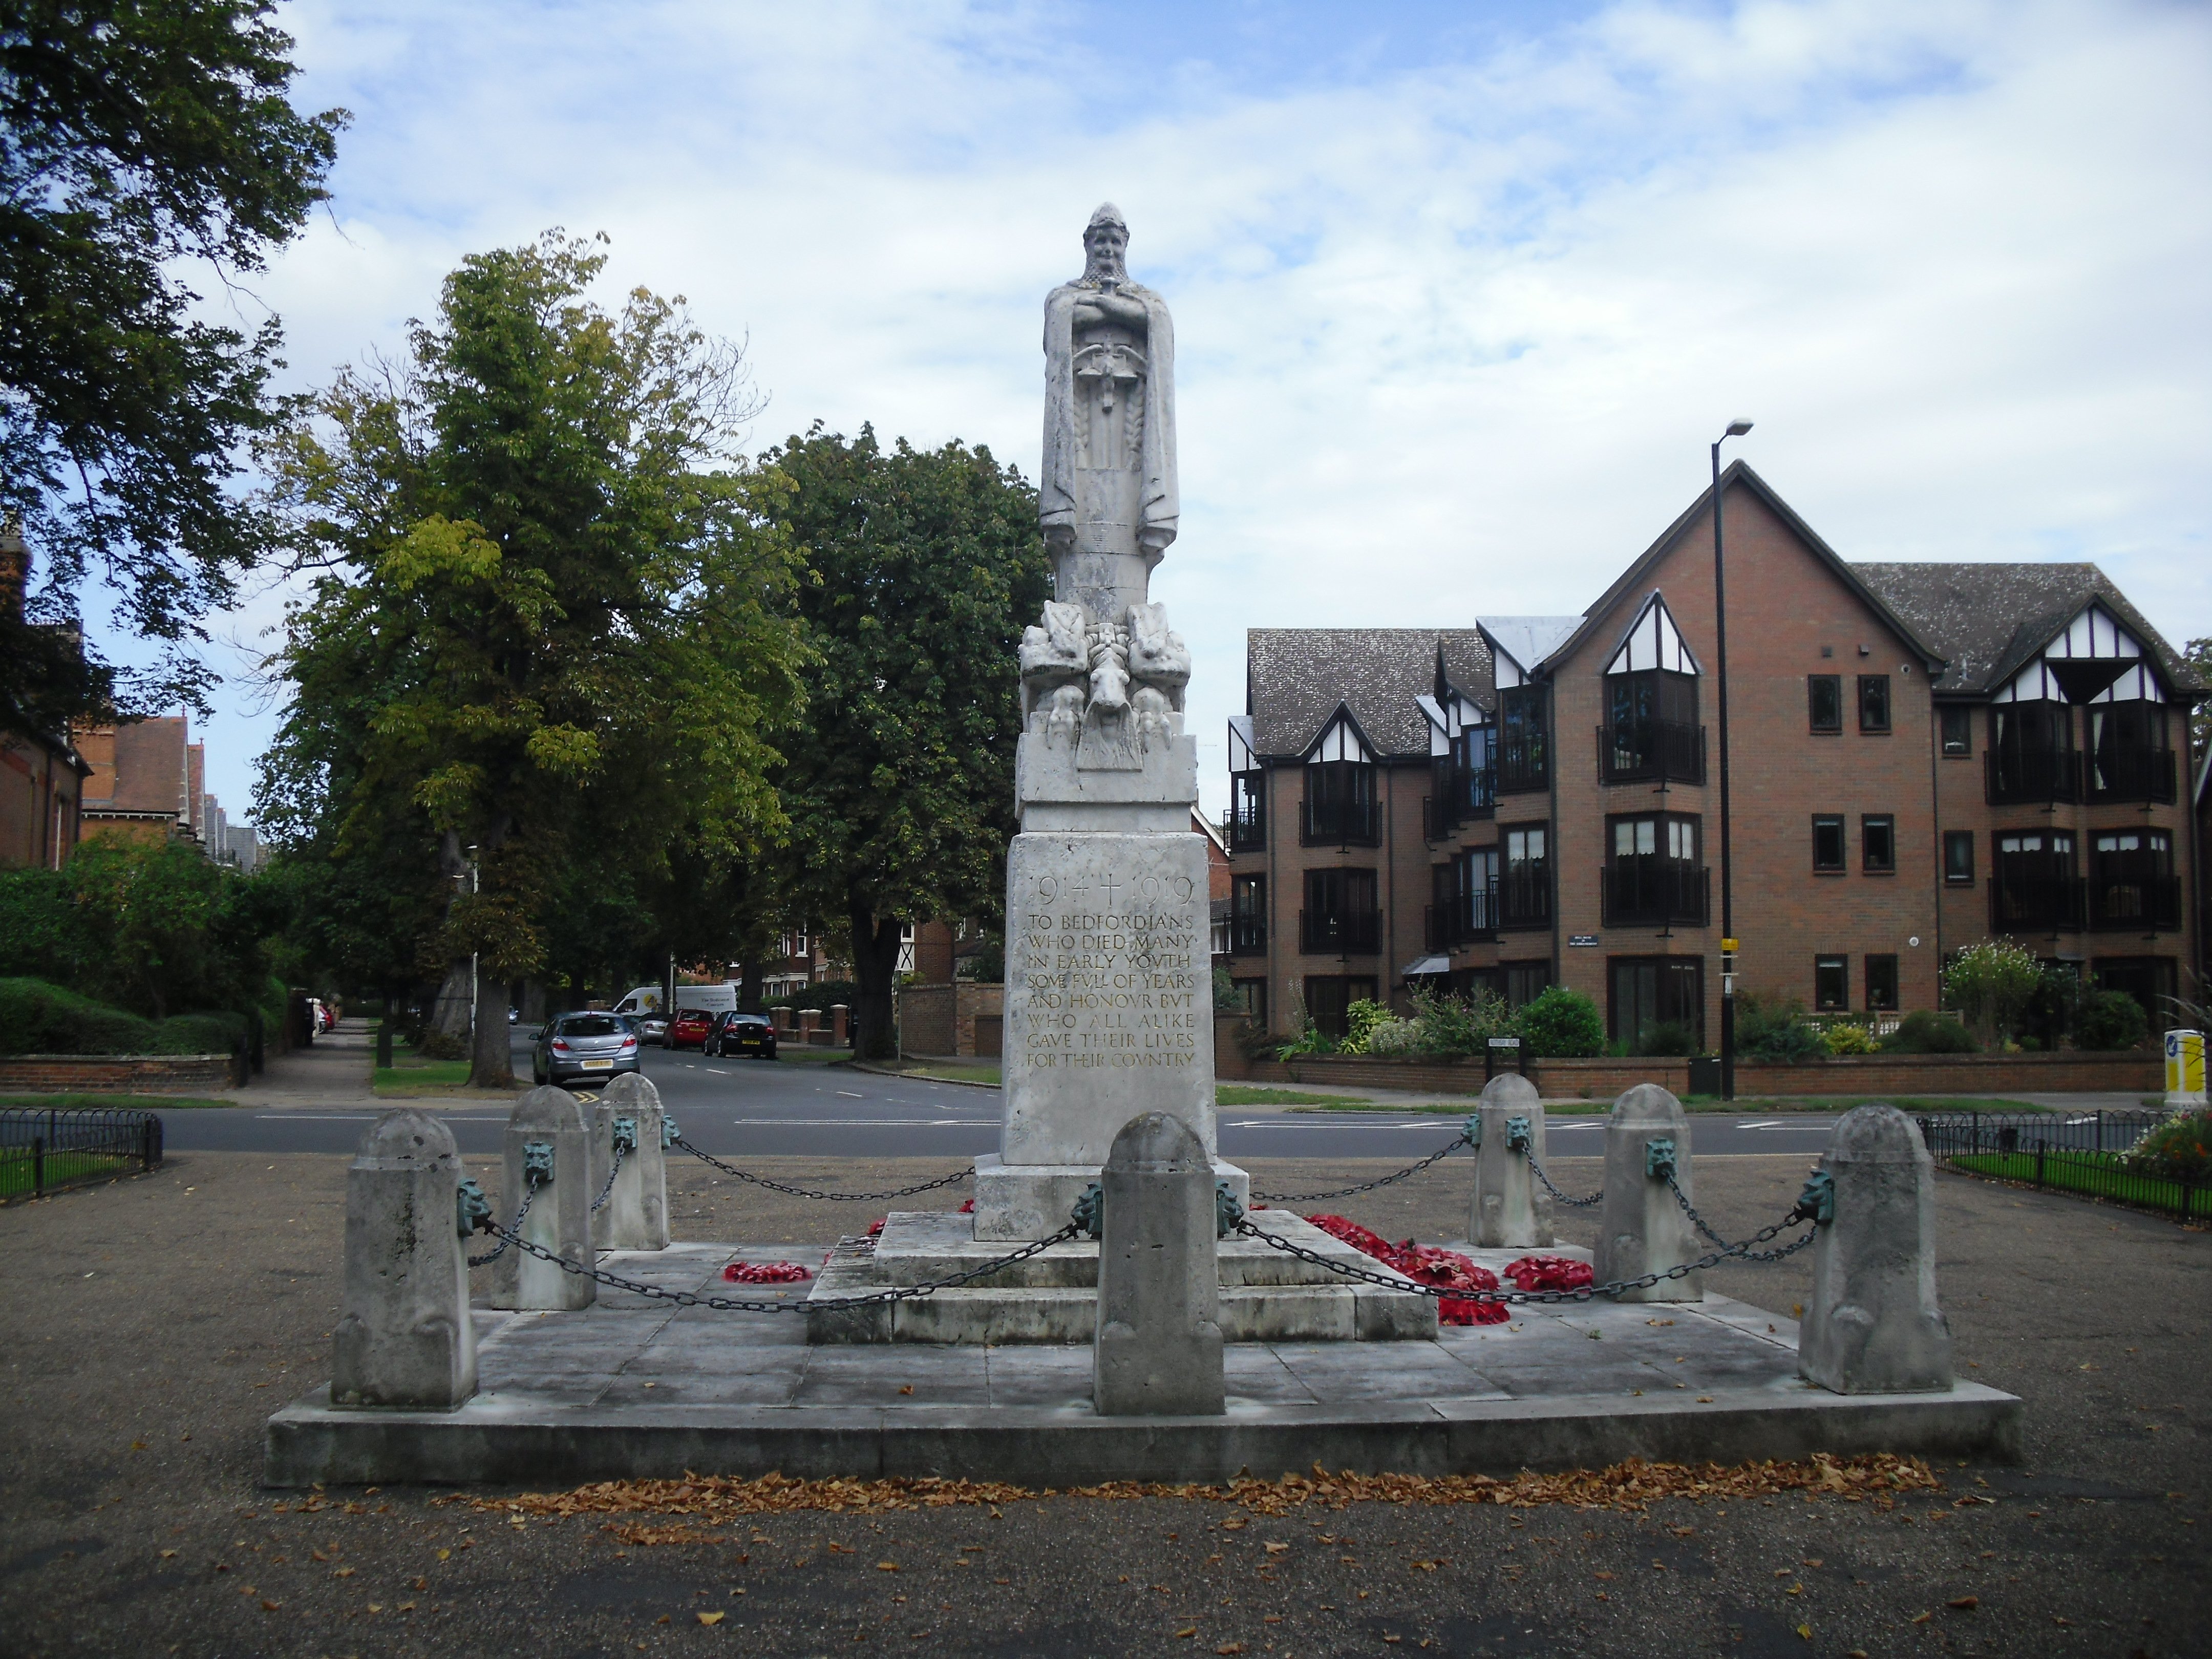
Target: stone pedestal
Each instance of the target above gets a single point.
(404, 1336)
(636, 1215)
(1158, 1349)
(1641, 1228)
(560, 1219)
(1509, 1210)
(1109, 1013)
(1872, 1325)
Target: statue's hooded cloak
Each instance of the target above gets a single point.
(1158, 507)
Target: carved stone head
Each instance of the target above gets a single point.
(1105, 241)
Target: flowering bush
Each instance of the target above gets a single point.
(765, 1272)
(1549, 1273)
(1990, 985)
(1426, 1265)
(2181, 1149)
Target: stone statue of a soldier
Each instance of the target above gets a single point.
(1107, 495)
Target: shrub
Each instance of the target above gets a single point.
(1451, 1026)
(2181, 1149)
(1561, 1024)
(1849, 1038)
(1394, 1037)
(1992, 984)
(825, 996)
(37, 1017)
(1360, 1020)
(1775, 1029)
(1924, 1031)
(2110, 1020)
(1227, 998)
(1667, 1037)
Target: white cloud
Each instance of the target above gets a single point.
(1454, 334)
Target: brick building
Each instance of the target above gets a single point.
(1922, 756)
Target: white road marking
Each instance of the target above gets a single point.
(850, 1095)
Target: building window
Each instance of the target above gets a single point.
(1340, 918)
(2133, 885)
(1958, 722)
(1652, 871)
(1524, 890)
(1645, 992)
(2030, 756)
(1824, 694)
(1525, 981)
(1329, 998)
(1881, 983)
(2127, 757)
(1339, 806)
(1873, 702)
(1877, 844)
(1248, 915)
(1523, 741)
(1247, 811)
(1651, 731)
(1958, 857)
(1465, 899)
(2033, 881)
(1827, 840)
(1252, 996)
(1832, 983)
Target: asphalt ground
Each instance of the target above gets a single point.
(154, 1324)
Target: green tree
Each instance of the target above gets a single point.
(923, 568)
(553, 632)
(2198, 653)
(1992, 984)
(141, 141)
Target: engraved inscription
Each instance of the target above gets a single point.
(1111, 968)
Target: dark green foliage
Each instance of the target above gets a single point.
(1227, 998)
(1561, 1024)
(1667, 1037)
(2108, 1021)
(922, 569)
(829, 994)
(1774, 1029)
(1924, 1031)
(37, 1017)
(2048, 1020)
(139, 140)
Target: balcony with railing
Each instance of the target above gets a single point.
(2035, 904)
(1464, 919)
(1247, 827)
(1523, 765)
(1651, 751)
(1338, 823)
(1524, 897)
(2149, 905)
(1654, 892)
(2021, 777)
(1247, 935)
(2132, 772)
(1340, 933)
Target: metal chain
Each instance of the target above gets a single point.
(1749, 1254)
(801, 1192)
(1582, 1293)
(1366, 1186)
(737, 1304)
(600, 1203)
(528, 1197)
(1579, 1203)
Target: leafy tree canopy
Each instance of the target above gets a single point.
(137, 138)
(922, 568)
(553, 621)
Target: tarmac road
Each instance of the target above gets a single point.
(749, 1107)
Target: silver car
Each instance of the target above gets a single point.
(584, 1048)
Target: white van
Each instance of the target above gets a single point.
(707, 999)
(645, 999)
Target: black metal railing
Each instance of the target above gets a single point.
(2149, 905)
(1463, 919)
(2043, 903)
(1654, 892)
(44, 1150)
(1247, 828)
(2081, 1152)
(1457, 795)
(1337, 823)
(1247, 935)
(1523, 765)
(1524, 897)
(2026, 777)
(2127, 774)
(1651, 751)
(1340, 933)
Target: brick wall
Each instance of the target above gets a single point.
(940, 1020)
(119, 1073)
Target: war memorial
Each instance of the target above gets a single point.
(1115, 1302)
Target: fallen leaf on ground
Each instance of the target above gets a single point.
(1276, 1549)
(710, 1618)
(886, 1566)
(1964, 1603)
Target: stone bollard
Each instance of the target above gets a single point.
(1641, 1229)
(560, 1219)
(1157, 1352)
(636, 1215)
(840, 1026)
(1510, 1209)
(1872, 1325)
(404, 1336)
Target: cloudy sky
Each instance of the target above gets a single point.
(1463, 291)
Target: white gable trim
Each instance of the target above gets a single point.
(1653, 641)
(1339, 740)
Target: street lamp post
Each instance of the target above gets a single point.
(1735, 429)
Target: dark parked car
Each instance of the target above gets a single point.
(742, 1034)
(584, 1048)
(689, 1027)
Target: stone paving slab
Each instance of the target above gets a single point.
(630, 1388)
